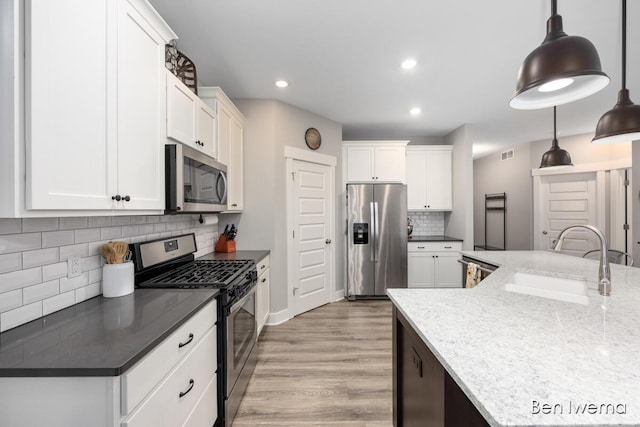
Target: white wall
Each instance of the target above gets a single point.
(635, 203)
(511, 176)
(272, 125)
(460, 221)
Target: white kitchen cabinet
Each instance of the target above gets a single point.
(263, 293)
(375, 161)
(434, 264)
(230, 135)
(189, 120)
(147, 394)
(89, 116)
(429, 178)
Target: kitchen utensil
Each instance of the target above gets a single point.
(120, 251)
(107, 252)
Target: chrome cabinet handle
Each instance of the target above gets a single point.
(182, 344)
(191, 384)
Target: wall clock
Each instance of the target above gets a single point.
(312, 138)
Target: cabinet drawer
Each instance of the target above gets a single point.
(263, 265)
(434, 246)
(205, 412)
(171, 403)
(139, 380)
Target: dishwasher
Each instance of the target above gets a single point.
(485, 268)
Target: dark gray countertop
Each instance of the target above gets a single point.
(254, 255)
(98, 337)
(425, 238)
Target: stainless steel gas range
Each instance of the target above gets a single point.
(170, 263)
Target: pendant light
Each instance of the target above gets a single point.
(622, 123)
(556, 157)
(562, 69)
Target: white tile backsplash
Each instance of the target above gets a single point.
(427, 223)
(16, 317)
(58, 302)
(40, 257)
(41, 291)
(34, 252)
(57, 238)
(10, 262)
(39, 224)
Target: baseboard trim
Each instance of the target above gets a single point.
(278, 318)
(338, 295)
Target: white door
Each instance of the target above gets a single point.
(565, 200)
(312, 206)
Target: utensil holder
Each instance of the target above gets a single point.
(224, 245)
(117, 279)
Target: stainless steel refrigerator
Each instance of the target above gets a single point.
(377, 239)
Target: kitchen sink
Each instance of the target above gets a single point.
(569, 289)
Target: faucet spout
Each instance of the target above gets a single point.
(604, 272)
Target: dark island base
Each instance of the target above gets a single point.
(423, 392)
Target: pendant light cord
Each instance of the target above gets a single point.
(624, 44)
(554, 7)
(554, 123)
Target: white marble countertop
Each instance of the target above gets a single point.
(508, 351)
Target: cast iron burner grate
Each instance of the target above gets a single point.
(203, 272)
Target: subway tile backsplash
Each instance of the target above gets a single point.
(34, 253)
(427, 223)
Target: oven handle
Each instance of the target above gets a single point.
(486, 270)
(238, 305)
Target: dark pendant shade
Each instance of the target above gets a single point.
(622, 122)
(562, 69)
(556, 157)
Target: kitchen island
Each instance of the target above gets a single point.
(519, 359)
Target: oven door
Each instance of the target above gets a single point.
(241, 337)
(194, 181)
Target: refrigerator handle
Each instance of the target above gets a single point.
(372, 236)
(377, 230)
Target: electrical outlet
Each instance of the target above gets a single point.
(74, 266)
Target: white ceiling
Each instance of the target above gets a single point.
(342, 59)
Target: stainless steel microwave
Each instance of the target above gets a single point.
(194, 182)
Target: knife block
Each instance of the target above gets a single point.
(224, 245)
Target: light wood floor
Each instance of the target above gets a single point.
(328, 367)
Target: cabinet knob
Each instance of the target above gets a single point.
(126, 198)
(117, 198)
(264, 280)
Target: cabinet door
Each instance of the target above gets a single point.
(416, 181)
(360, 164)
(448, 272)
(421, 269)
(262, 300)
(224, 133)
(141, 111)
(438, 178)
(69, 98)
(235, 197)
(206, 120)
(182, 104)
(389, 164)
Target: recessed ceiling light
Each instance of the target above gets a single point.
(282, 83)
(415, 111)
(409, 64)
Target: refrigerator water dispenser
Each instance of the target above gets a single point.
(360, 233)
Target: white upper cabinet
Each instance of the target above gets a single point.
(95, 116)
(230, 136)
(429, 177)
(189, 119)
(375, 161)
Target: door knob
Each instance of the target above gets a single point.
(544, 232)
(327, 241)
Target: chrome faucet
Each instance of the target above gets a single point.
(604, 273)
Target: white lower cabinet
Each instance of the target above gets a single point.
(262, 293)
(172, 385)
(434, 265)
